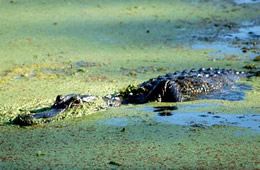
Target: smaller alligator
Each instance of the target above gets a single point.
(181, 86)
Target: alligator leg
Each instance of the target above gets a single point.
(165, 91)
(172, 92)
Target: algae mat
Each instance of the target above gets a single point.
(136, 141)
(60, 47)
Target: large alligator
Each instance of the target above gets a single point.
(172, 87)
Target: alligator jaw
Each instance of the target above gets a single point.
(47, 114)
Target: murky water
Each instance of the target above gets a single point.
(246, 1)
(200, 119)
(180, 116)
(53, 52)
(240, 44)
(223, 50)
(193, 119)
(201, 105)
(208, 119)
(251, 32)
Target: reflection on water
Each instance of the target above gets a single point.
(165, 113)
(165, 108)
(162, 110)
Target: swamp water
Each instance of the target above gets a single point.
(241, 43)
(246, 1)
(98, 47)
(184, 116)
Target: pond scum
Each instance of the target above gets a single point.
(99, 47)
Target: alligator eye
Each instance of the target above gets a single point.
(60, 97)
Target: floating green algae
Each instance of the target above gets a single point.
(143, 143)
(131, 42)
(48, 70)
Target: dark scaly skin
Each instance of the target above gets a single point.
(181, 86)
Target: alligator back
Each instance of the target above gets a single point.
(179, 86)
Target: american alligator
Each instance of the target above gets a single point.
(172, 87)
(181, 86)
